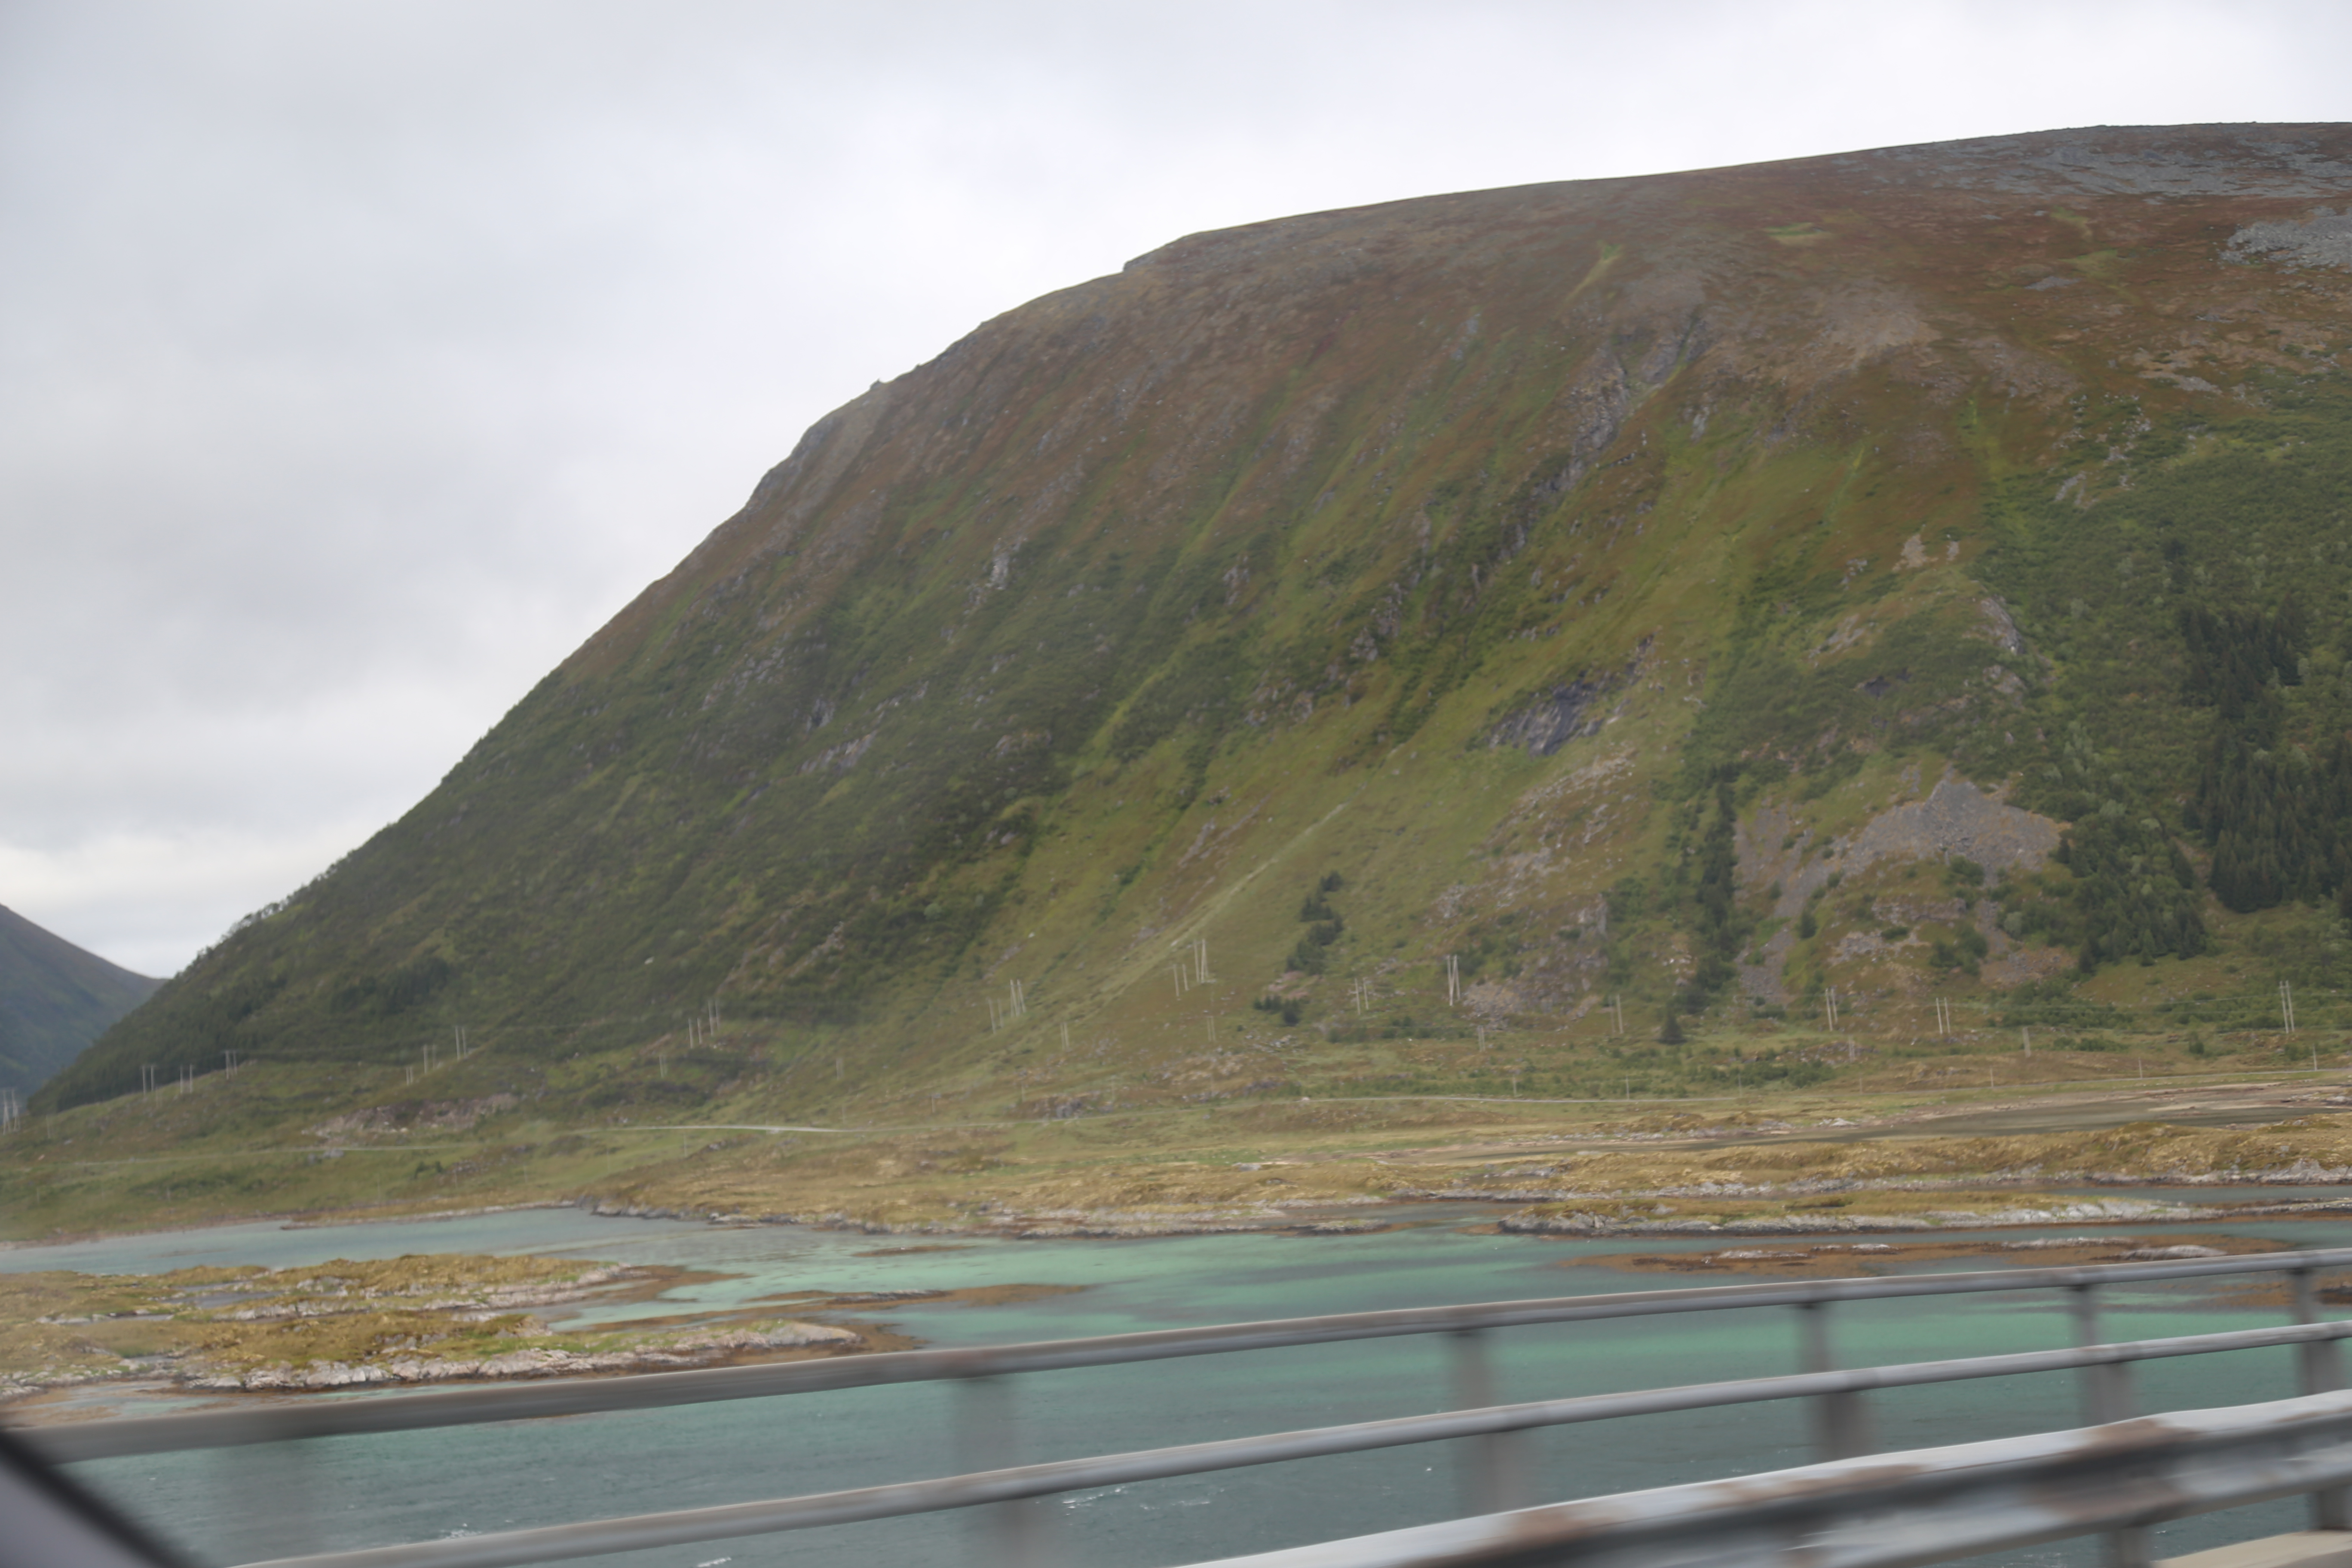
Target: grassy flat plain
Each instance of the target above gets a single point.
(1902, 1131)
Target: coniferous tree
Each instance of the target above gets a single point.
(1716, 923)
(2275, 818)
(2135, 890)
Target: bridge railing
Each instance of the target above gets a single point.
(1497, 1476)
(1895, 1510)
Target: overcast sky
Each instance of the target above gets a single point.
(358, 360)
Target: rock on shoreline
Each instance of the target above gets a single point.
(689, 1350)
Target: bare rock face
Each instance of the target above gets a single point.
(2323, 239)
(1957, 818)
(1566, 714)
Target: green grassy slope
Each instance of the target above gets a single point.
(1513, 558)
(55, 999)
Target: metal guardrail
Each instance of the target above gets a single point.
(1898, 1511)
(1496, 1479)
(684, 1526)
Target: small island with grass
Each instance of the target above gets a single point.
(345, 1324)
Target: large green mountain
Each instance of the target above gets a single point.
(55, 999)
(1924, 570)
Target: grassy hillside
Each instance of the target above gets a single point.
(1386, 648)
(55, 999)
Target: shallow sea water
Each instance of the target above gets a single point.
(277, 1499)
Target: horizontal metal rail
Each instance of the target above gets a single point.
(1897, 1510)
(576, 1397)
(679, 1526)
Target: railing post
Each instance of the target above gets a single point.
(2106, 1390)
(2322, 1372)
(1493, 1466)
(2107, 1397)
(1001, 1534)
(1841, 1421)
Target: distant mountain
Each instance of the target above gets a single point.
(55, 999)
(1721, 597)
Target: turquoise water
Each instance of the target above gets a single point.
(243, 1504)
